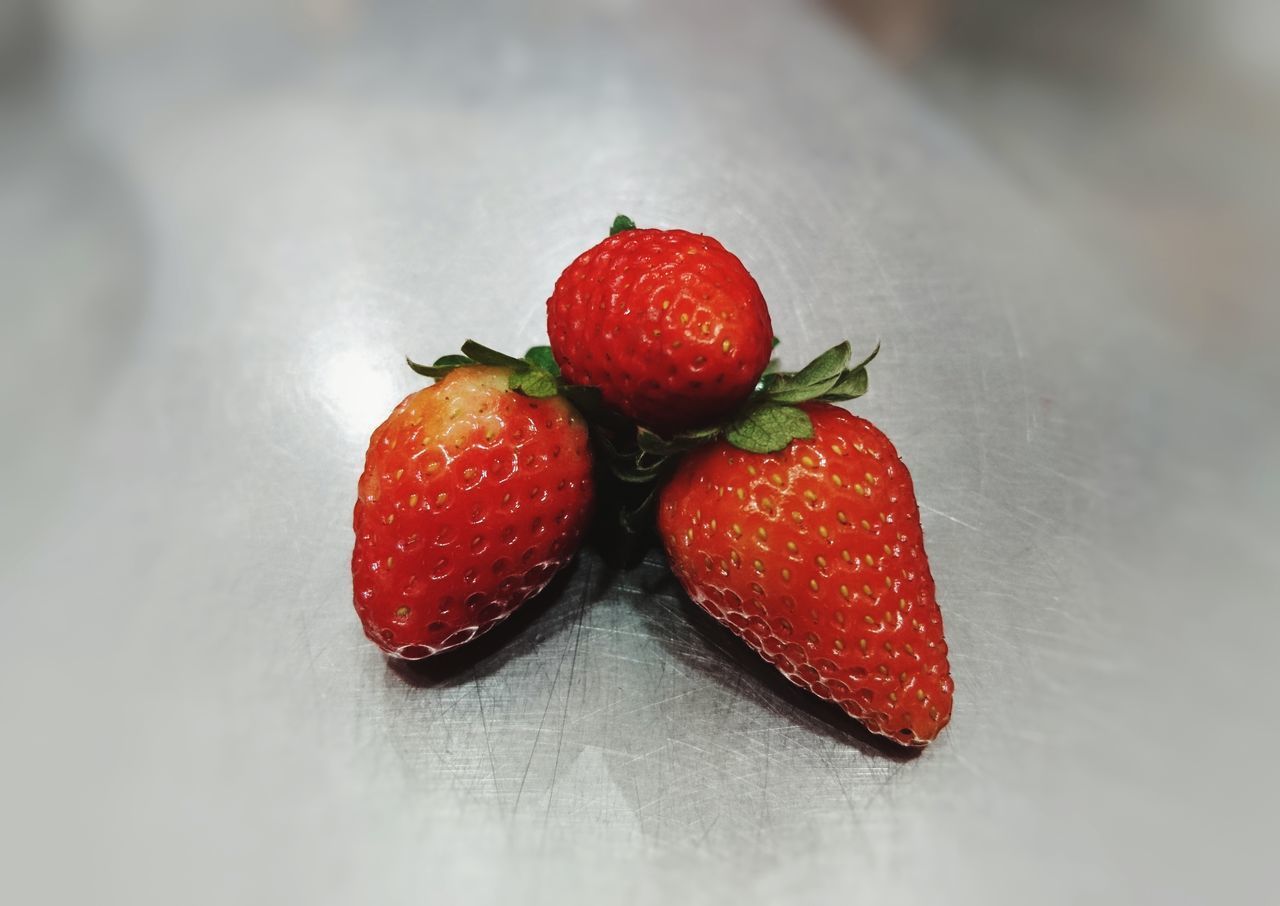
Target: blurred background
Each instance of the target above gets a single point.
(1148, 127)
(222, 224)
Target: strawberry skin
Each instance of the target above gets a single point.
(814, 556)
(667, 324)
(473, 496)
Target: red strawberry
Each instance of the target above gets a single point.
(473, 496)
(667, 324)
(815, 557)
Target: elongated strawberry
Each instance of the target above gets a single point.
(667, 324)
(473, 496)
(814, 556)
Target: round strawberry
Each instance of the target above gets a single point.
(814, 556)
(667, 324)
(473, 496)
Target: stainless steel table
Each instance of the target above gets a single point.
(223, 230)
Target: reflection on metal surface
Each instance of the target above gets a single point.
(191, 710)
(356, 388)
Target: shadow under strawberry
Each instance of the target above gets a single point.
(553, 609)
(732, 660)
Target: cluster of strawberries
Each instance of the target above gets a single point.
(786, 518)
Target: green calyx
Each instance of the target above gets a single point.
(768, 427)
(536, 374)
(621, 224)
(770, 418)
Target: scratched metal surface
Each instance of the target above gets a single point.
(261, 213)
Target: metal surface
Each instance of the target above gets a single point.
(257, 223)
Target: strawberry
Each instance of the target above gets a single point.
(814, 556)
(473, 496)
(667, 324)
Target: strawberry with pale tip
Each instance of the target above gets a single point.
(476, 491)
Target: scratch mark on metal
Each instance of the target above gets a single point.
(488, 740)
(533, 749)
(710, 827)
(568, 695)
(938, 512)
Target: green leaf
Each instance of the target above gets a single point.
(787, 388)
(635, 519)
(811, 381)
(635, 474)
(647, 461)
(452, 361)
(776, 341)
(541, 357)
(769, 427)
(533, 382)
(828, 365)
(826, 377)
(621, 224)
(852, 384)
(650, 442)
(867, 361)
(486, 356)
(434, 371)
(697, 435)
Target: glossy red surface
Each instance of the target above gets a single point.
(815, 558)
(473, 496)
(668, 324)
